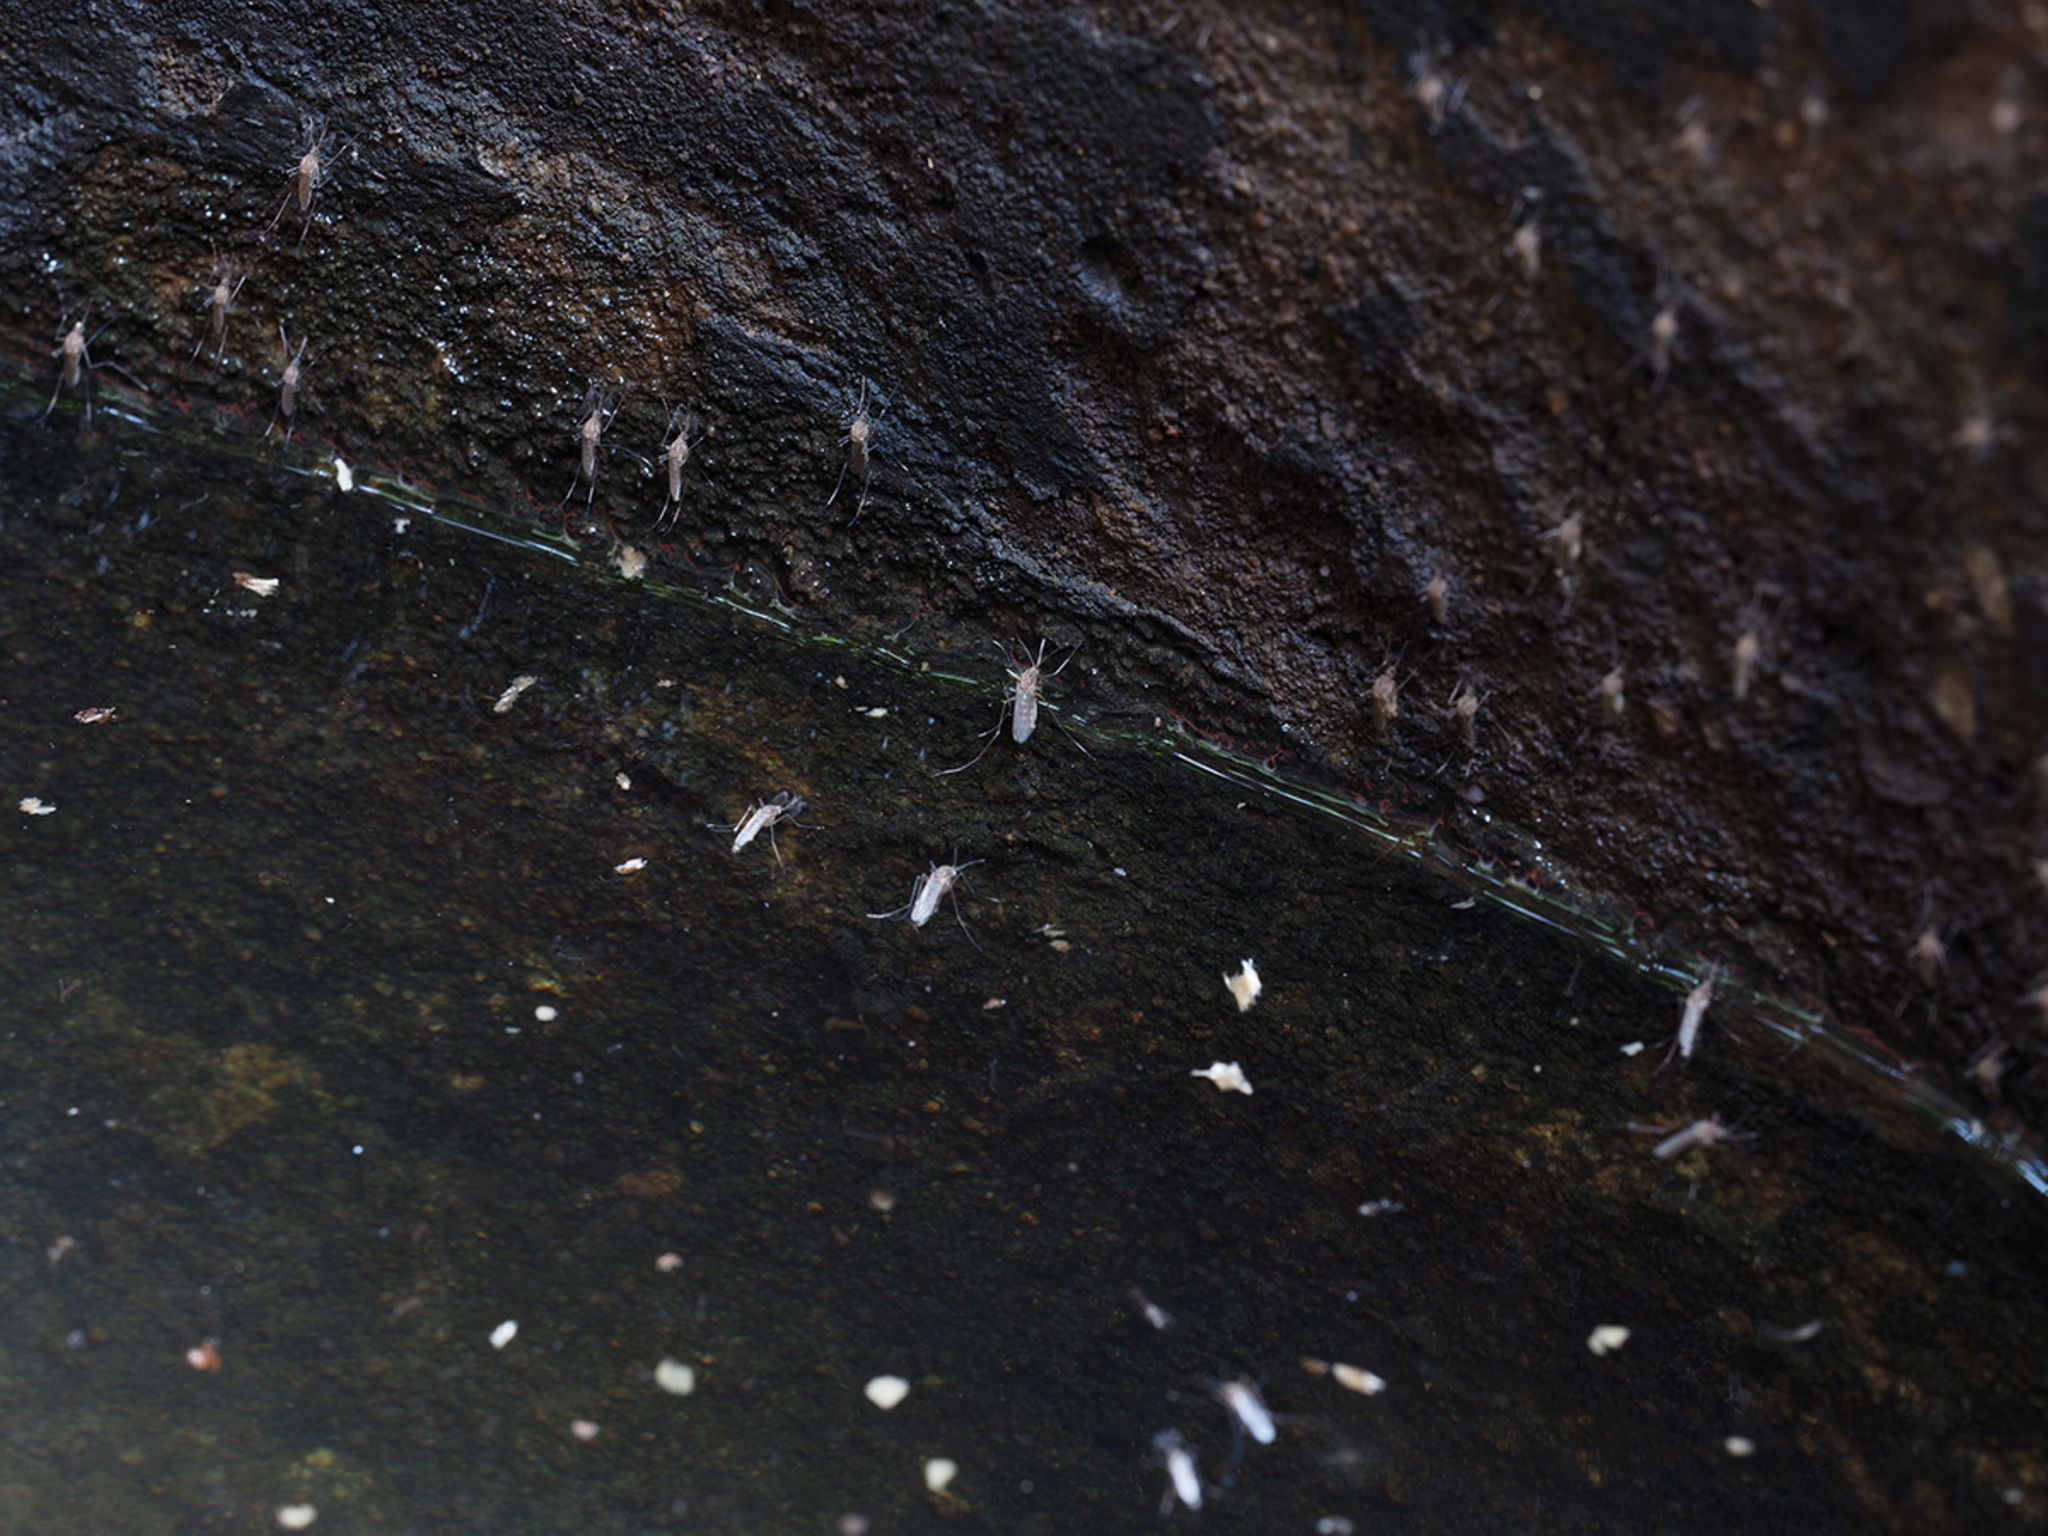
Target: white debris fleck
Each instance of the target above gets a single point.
(1607, 1338)
(938, 1472)
(1335, 1525)
(296, 1517)
(1633, 1048)
(262, 586)
(1226, 1075)
(632, 562)
(1380, 1208)
(1357, 1378)
(1738, 1445)
(94, 716)
(31, 806)
(885, 1392)
(674, 1377)
(511, 695)
(1245, 986)
(400, 524)
(877, 713)
(343, 475)
(585, 1430)
(504, 1334)
(622, 780)
(630, 867)
(547, 1013)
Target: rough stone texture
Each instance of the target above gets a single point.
(1189, 335)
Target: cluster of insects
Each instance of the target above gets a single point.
(230, 273)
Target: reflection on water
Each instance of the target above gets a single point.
(347, 1028)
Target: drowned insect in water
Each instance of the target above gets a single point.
(765, 816)
(1696, 1003)
(1184, 1479)
(1249, 1409)
(925, 895)
(1020, 701)
(1709, 1132)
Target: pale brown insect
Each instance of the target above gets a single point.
(675, 453)
(295, 366)
(1438, 595)
(1021, 700)
(1613, 693)
(75, 362)
(1465, 702)
(859, 431)
(1385, 695)
(1526, 247)
(222, 284)
(308, 174)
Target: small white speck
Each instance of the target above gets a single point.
(1633, 1048)
(1120, 872)
(262, 586)
(630, 867)
(296, 1517)
(31, 806)
(546, 1013)
(1739, 1445)
(938, 1472)
(1226, 1075)
(1245, 986)
(877, 713)
(504, 1334)
(400, 524)
(1607, 1338)
(344, 477)
(885, 1392)
(674, 1377)
(585, 1430)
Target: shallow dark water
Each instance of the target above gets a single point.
(276, 1074)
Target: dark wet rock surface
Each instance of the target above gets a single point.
(1188, 336)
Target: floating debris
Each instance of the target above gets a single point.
(1245, 986)
(1739, 1445)
(504, 1334)
(1226, 1076)
(674, 1377)
(1380, 1208)
(1355, 1378)
(1607, 1338)
(939, 1472)
(669, 1263)
(885, 1392)
(1633, 1048)
(93, 716)
(32, 806)
(204, 1356)
(262, 586)
(1154, 1314)
(585, 1430)
(296, 1517)
(630, 867)
(546, 1013)
(344, 477)
(510, 696)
